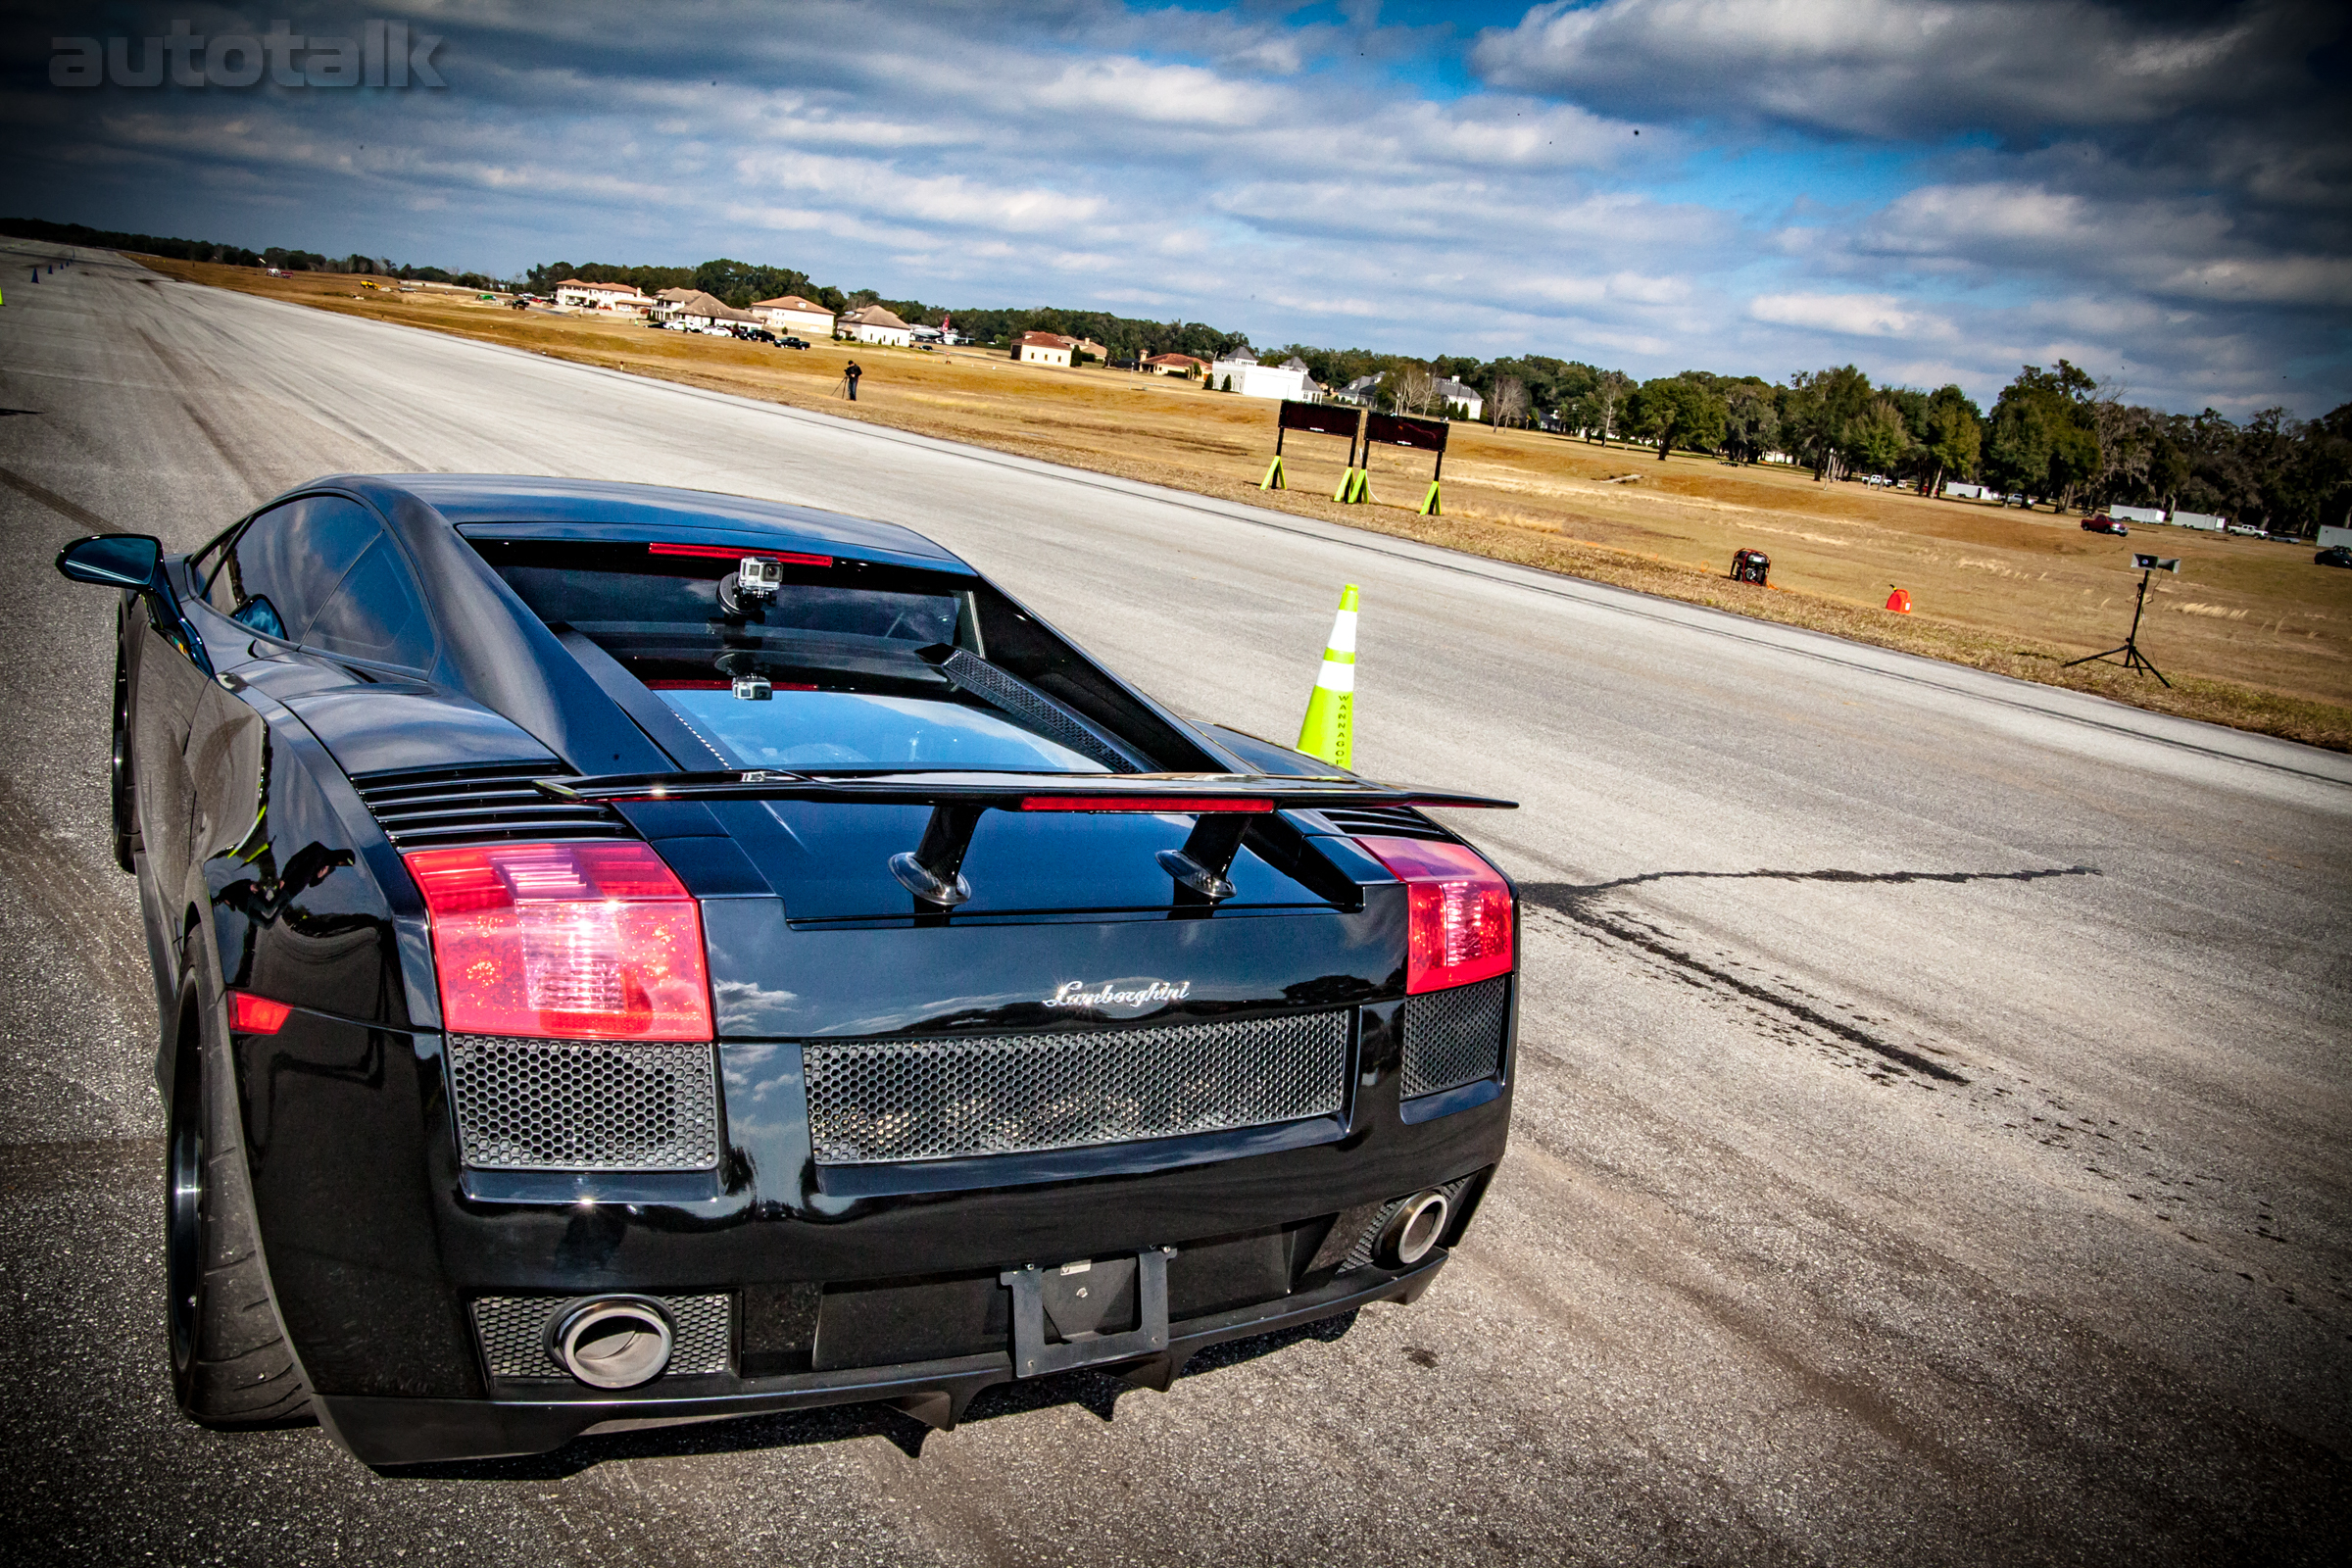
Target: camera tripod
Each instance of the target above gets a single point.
(2134, 658)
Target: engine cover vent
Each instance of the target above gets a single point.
(873, 1102)
(1382, 822)
(476, 805)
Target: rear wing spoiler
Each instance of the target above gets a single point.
(1177, 793)
(933, 871)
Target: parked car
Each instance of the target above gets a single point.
(2244, 530)
(755, 334)
(630, 955)
(791, 343)
(2334, 556)
(2102, 523)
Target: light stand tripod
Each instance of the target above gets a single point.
(2134, 658)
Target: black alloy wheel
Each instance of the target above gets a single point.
(230, 1363)
(183, 1223)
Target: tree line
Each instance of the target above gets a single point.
(2056, 436)
(197, 250)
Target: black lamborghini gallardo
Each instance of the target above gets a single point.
(629, 955)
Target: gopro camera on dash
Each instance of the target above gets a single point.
(759, 577)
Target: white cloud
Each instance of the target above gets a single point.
(1280, 177)
(1850, 315)
(1903, 67)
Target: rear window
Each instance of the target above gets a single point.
(857, 667)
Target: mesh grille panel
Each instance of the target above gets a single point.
(558, 1104)
(514, 1331)
(935, 1099)
(1452, 1037)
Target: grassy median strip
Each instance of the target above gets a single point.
(2251, 633)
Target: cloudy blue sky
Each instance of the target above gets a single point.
(1934, 189)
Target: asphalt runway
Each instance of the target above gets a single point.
(1932, 1131)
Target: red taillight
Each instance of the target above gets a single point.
(791, 557)
(1461, 924)
(577, 941)
(1157, 805)
(249, 1015)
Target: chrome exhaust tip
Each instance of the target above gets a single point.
(1411, 1233)
(612, 1341)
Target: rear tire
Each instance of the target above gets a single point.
(230, 1363)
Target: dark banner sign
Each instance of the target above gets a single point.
(1324, 418)
(1402, 430)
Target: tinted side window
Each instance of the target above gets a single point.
(288, 560)
(376, 613)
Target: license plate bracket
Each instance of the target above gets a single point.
(1035, 1356)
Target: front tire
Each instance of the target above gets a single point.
(230, 1363)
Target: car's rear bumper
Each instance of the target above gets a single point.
(384, 1431)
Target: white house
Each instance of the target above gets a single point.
(692, 308)
(1174, 365)
(789, 315)
(1291, 380)
(616, 297)
(871, 323)
(1455, 394)
(1044, 348)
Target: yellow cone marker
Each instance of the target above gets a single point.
(1329, 731)
(1429, 506)
(1273, 478)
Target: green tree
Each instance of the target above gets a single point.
(1878, 440)
(1954, 438)
(2169, 469)
(1751, 419)
(1676, 411)
(1819, 415)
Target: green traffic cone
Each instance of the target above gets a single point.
(1329, 731)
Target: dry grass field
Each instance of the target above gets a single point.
(2251, 632)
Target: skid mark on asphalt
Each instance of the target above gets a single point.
(2229, 1231)
(71, 511)
(1625, 930)
(1891, 877)
(186, 378)
(70, 881)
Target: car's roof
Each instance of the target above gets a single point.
(536, 507)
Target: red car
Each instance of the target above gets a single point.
(2103, 524)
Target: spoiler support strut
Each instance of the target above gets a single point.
(1222, 804)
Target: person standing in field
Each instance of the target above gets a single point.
(850, 374)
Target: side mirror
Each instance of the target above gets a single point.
(113, 560)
